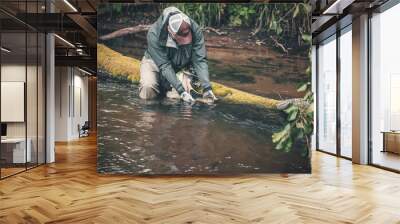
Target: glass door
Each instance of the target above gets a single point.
(326, 101)
(346, 92)
(22, 77)
(385, 89)
(14, 153)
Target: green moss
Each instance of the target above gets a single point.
(117, 64)
(240, 97)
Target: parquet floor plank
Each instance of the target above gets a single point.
(70, 191)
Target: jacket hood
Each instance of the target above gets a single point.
(167, 12)
(162, 22)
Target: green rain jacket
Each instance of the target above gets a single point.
(171, 58)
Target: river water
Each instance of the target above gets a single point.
(167, 136)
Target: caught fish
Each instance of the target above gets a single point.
(185, 78)
(207, 100)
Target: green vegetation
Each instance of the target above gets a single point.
(300, 120)
(287, 23)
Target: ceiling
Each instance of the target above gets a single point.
(75, 21)
(331, 15)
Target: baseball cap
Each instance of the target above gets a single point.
(179, 25)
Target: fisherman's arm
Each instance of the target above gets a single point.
(199, 58)
(159, 56)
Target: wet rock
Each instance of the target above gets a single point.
(145, 171)
(173, 168)
(285, 103)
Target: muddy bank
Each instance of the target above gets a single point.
(259, 71)
(244, 65)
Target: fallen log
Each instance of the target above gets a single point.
(236, 96)
(120, 66)
(117, 64)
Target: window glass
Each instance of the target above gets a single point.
(327, 96)
(385, 89)
(15, 150)
(346, 93)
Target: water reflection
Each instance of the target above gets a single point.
(170, 137)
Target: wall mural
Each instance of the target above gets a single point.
(204, 88)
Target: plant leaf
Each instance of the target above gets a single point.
(303, 87)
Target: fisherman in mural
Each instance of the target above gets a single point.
(175, 56)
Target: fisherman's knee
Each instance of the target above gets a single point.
(147, 92)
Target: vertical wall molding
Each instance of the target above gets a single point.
(338, 98)
(360, 90)
(316, 102)
(50, 99)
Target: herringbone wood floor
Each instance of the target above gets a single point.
(70, 191)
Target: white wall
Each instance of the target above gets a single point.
(11, 73)
(13, 101)
(62, 80)
(14, 72)
(71, 102)
(80, 109)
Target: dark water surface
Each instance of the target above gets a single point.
(169, 137)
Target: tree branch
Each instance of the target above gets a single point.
(125, 31)
(143, 28)
(217, 31)
(279, 45)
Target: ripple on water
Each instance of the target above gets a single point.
(168, 136)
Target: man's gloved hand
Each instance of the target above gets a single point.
(185, 96)
(210, 94)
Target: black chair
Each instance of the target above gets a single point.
(84, 130)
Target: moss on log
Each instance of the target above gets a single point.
(121, 66)
(117, 64)
(240, 97)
